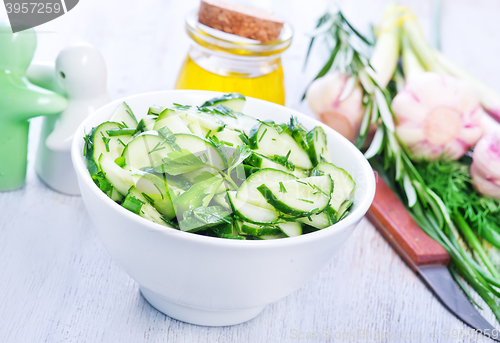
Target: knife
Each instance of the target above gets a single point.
(423, 254)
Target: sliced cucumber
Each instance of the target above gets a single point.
(318, 148)
(223, 229)
(199, 146)
(155, 189)
(146, 124)
(321, 220)
(344, 209)
(146, 150)
(261, 161)
(264, 139)
(266, 237)
(173, 122)
(229, 136)
(251, 213)
(124, 115)
(301, 173)
(237, 121)
(115, 195)
(147, 210)
(104, 144)
(248, 191)
(297, 156)
(155, 110)
(245, 228)
(298, 132)
(228, 231)
(121, 179)
(206, 121)
(262, 135)
(234, 101)
(291, 229)
(197, 129)
(343, 183)
(299, 198)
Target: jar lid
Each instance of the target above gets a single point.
(232, 44)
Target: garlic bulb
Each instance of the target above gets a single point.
(485, 168)
(345, 115)
(438, 115)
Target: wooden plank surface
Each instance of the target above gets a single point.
(58, 283)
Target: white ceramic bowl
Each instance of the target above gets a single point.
(206, 280)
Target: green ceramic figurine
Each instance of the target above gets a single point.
(19, 101)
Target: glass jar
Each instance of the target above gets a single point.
(219, 61)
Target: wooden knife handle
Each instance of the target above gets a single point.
(391, 218)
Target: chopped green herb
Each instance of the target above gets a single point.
(244, 138)
(157, 147)
(148, 198)
(132, 204)
(106, 141)
(169, 138)
(282, 188)
(225, 111)
(120, 161)
(159, 190)
(120, 132)
(141, 126)
(305, 200)
(263, 133)
(182, 107)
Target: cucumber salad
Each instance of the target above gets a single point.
(215, 171)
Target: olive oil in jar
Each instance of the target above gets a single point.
(218, 61)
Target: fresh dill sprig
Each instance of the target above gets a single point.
(451, 180)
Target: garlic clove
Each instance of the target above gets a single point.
(446, 110)
(344, 116)
(483, 185)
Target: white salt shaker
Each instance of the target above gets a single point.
(79, 74)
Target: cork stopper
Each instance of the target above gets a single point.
(243, 21)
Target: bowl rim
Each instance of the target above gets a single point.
(351, 220)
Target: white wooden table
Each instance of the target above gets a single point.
(59, 284)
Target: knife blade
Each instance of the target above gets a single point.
(424, 255)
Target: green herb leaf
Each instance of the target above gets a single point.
(141, 127)
(120, 132)
(239, 155)
(204, 175)
(169, 138)
(282, 188)
(223, 110)
(132, 204)
(180, 162)
(106, 141)
(181, 107)
(120, 161)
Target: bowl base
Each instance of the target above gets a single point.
(199, 316)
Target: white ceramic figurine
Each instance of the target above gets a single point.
(80, 75)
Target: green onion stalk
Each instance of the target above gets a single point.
(459, 226)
